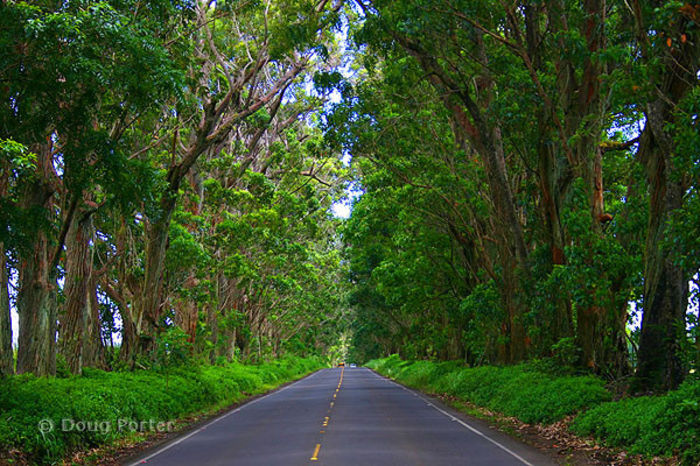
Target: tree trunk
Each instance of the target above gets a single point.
(516, 349)
(7, 360)
(560, 324)
(130, 341)
(665, 283)
(7, 363)
(600, 324)
(74, 321)
(36, 352)
(213, 324)
(93, 346)
(36, 331)
(148, 305)
(213, 317)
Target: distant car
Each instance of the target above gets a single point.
(341, 364)
(353, 365)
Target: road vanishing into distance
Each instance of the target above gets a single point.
(338, 417)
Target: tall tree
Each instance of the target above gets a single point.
(76, 75)
(667, 36)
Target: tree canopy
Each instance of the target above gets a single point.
(525, 177)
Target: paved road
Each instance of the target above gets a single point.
(343, 417)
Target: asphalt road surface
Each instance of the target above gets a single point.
(339, 417)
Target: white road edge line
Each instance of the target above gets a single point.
(474, 430)
(214, 421)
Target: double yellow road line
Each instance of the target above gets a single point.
(326, 419)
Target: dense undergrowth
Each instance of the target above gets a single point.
(662, 425)
(650, 425)
(109, 403)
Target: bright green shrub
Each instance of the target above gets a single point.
(519, 391)
(650, 425)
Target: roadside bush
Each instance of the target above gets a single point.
(113, 397)
(519, 391)
(651, 425)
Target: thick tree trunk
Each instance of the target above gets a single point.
(513, 255)
(601, 324)
(130, 341)
(511, 290)
(93, 346)
(187, 312)
(213, 324)
(74, 321)
(148, 305)
(187, 317)
(213, 312)
(36, 329)
(561, 325)
(233, 344)
(665, 283)
(36, 352)
(7, 363)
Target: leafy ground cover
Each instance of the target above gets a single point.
(664, 425)
(650, 425)
(48, 418)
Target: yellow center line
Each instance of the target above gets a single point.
(315, 455)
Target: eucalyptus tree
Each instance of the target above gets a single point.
(528, 89)
(268, 211)
(668, 54)
(75, 75)
(414, 236)
(544, 99)
(245, 58)
(471, 53)
(116, 102)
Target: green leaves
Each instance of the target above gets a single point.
(16, 157)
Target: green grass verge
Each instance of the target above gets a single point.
(652, 426)
(100, 399)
